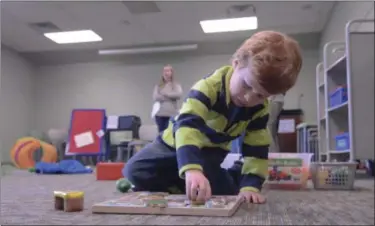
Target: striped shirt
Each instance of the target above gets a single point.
(209, 120)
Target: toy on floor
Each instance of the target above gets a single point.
(71, 201)
(166, 204)
(69, 166)
(288, 171)
(123, 185)
(109, 170)
(22, 152)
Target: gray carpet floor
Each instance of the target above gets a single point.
(27, 198)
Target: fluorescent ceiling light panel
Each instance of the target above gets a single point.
(159, 49)
(229, 25)
(69, 37)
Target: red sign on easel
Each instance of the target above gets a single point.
(86, 132)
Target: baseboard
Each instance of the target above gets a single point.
(7, 164)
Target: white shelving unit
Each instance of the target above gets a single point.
(336, 117)
(321, 112)
(349, 64)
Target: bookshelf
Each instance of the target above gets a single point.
(345, 95)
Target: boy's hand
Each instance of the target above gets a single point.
(252, 197)
(197, 186)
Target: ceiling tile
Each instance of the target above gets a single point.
(177, 21)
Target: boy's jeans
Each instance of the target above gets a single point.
(154, 169)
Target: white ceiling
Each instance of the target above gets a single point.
(178, 22)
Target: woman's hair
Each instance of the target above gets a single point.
(162, 80)
(274, 58)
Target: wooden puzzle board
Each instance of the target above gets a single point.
(165, 204)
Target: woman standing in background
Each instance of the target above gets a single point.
(276, 106)
(166, 95)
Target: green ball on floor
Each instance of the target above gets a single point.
(123, 185)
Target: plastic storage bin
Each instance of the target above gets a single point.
(339, 96)
(289, 171)
(333, 175)
(342, 142)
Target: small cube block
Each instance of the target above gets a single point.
(70, 201)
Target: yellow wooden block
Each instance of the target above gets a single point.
(69, 201)
(69, 194)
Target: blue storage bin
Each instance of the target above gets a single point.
(339, 96)
(342, 142)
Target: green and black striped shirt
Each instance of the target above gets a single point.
(208, 119)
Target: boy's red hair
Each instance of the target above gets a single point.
(274, 59)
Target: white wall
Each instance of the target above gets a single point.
(341, 14)
(16, 100)
(127, 89)
(42, 98)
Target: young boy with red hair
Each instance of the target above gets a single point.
(218, 109)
